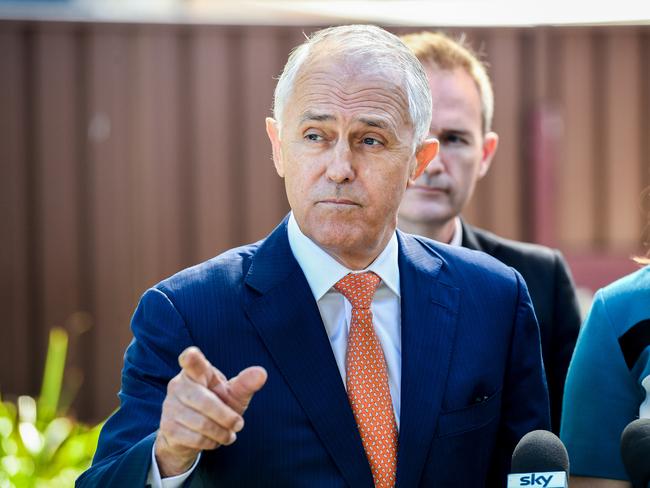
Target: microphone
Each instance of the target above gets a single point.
(539, 460)
(635, 451)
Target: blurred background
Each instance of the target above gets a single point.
(132, 144)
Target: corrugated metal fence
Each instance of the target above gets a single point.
(130, 151)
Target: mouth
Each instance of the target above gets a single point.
(428, 189)
(338, 202)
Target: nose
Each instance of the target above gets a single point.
(340, 168)
(435, 167)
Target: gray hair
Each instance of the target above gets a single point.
(383, 49)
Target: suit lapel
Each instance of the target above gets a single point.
(429, 313)
(479, 240)
(287, 319)
(470, 241)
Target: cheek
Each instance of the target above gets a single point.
(388, 187)
(296, 188)
(301, 184)
(461, 164)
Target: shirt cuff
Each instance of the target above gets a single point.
(155, 481)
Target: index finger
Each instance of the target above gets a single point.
(196, 366)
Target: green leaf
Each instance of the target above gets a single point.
(55, 434)
(57, 350)
(6, 427)
(37, 448)
(27, 409)
(32, 439)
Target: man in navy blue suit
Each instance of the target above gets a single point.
(337, 351)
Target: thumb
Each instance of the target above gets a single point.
(238, 391)
(198, 368)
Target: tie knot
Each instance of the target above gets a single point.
(358, 288)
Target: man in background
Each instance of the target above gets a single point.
(463, 107)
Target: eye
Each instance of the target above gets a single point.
(313, 137)
(452, 138)
(371, 141)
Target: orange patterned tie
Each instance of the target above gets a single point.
(367, 380)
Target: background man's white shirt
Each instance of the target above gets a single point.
(457, 238)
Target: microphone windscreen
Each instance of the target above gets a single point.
(540, 451)
(635, 451)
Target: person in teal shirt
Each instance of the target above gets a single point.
(608, 383)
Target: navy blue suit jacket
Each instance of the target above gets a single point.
(554, 299)
(472, 376)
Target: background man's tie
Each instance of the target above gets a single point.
(367, 380)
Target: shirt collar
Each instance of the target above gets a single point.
(457, 238)
(323, 271)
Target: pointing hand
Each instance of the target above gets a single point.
(202, 410)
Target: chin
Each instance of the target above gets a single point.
(335, 234)
(346, 239)
(425, 213)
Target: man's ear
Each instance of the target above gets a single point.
(427, 152)
(490, 143)
(273, 131)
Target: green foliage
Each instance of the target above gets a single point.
(41, 447)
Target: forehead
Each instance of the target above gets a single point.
(455, 96)
(348, 89)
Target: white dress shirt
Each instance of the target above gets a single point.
(457, 238)
(322, 272)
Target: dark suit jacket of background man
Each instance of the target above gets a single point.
(551, 290)
(472, 378)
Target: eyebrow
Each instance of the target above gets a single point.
(459, 132)
(316, 117)
(380, 124)
(324, 117)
